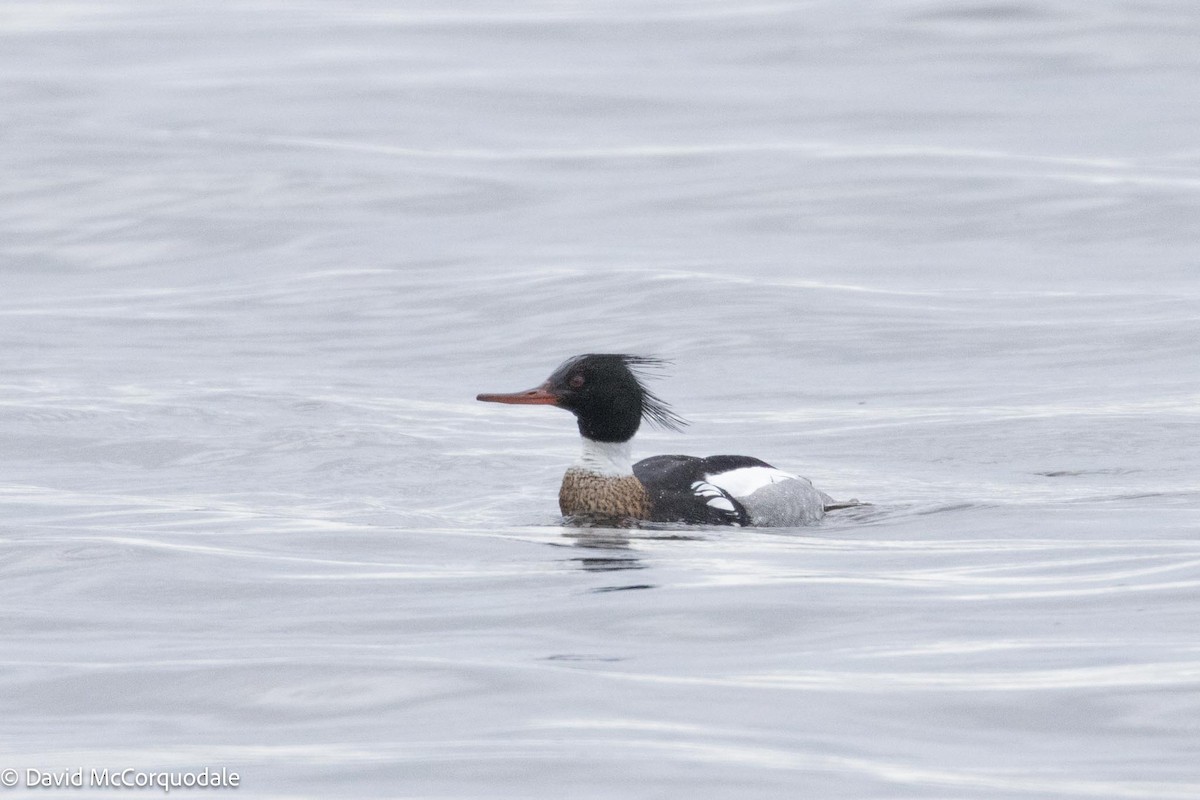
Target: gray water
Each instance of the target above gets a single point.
(256, 260)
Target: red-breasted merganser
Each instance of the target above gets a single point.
(605, 392)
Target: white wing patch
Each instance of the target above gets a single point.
(745, 481)
(716, 498)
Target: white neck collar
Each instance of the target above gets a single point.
(611, 459)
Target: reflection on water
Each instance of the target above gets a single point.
(608, 564)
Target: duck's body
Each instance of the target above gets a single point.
(610, 401)
(734, 490)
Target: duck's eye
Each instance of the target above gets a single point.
(576, 382)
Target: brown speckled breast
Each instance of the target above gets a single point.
(586, 494)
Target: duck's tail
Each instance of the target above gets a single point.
(837, 505)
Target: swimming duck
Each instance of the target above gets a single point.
(607, 394)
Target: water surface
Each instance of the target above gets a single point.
(257, 261)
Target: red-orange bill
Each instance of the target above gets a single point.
(532, 397)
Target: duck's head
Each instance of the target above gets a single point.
(605, 392)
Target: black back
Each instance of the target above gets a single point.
(680, 492)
